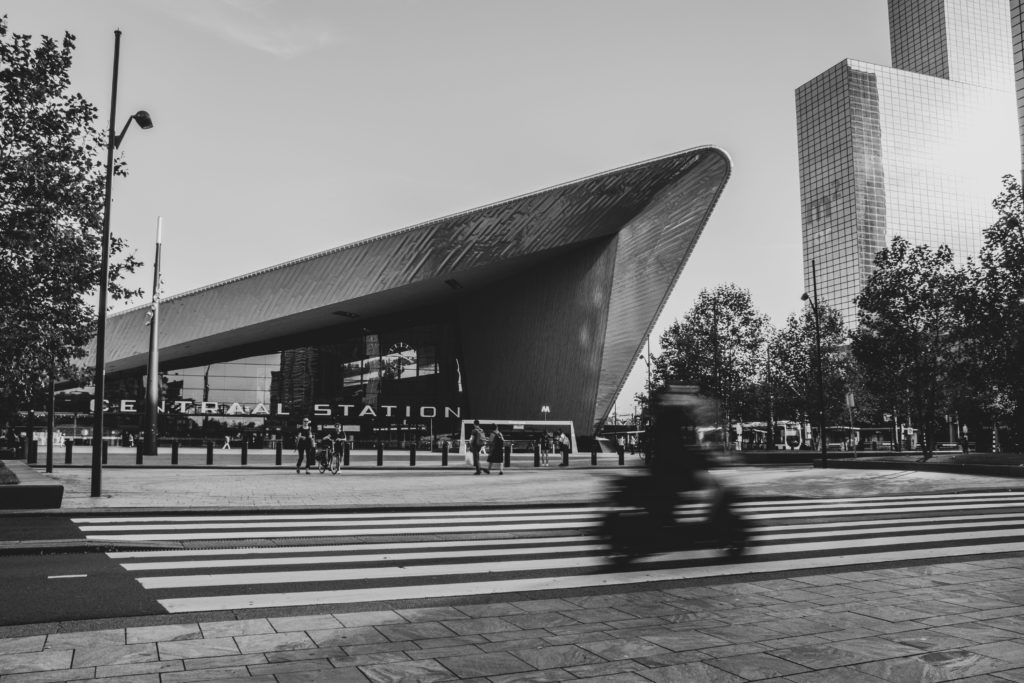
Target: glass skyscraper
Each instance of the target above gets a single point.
(915, 150)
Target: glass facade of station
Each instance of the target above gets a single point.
(397, 384)
(886, 151)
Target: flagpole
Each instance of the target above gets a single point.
(153, 382)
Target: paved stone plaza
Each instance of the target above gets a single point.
(936, 622)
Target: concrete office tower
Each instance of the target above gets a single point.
(915, 150)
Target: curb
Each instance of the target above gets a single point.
(1013, 471)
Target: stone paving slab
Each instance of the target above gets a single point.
(723, 632)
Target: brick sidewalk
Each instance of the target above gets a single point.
(952, 621)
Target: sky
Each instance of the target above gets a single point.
(287, 127)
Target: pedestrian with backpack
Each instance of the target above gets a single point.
(476, 443)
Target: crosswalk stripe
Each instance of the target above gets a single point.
(393, 546)
(306, 533)
(339, 516)
(307, 524)
(352, 559)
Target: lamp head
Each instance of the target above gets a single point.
(143, 119)
(804, 297)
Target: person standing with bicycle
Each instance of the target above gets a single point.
(335, 448)
(305, 444)
(329, 450)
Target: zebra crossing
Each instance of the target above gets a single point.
(365, 557)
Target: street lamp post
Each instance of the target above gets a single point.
(821, 382)
(113, 142)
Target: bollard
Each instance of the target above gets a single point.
(536, 454)
(508, 454)
(593, 453)
(444, 454)
(622, 456)
(380, 454)
(345, 453)
(138, 452)
(565, 458)
(104, 449)
(68, 447)
(209, 452)
(33, 452)
(245, 452)
(277, 453)
(412, 455)
(174, 452)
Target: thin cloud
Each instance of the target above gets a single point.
(276, 27)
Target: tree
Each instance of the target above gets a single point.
(795, 370)
(996, 315)
(51, 204)
(718, 346)
(912, 323)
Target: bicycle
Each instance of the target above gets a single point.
(322, 453)
(328, 457)
(335, 460)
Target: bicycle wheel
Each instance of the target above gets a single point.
(321, 461)
(335, 463)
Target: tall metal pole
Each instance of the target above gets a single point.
(771, 397)
(101, 322)
(49, 425)
(821, 381)
(153, 383)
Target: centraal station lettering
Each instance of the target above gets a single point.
(132, 406)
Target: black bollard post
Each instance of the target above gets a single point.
(209, 452)
(346, 452)
(138, 452)
(277, 453)
(412, 455)
(68, 447)
(380, 454)
(444, 454)
(245, 452)
(622, 456)
(536, 454)
(33, 452)
(508, 454)
(104, 449)
(174, 452)
(565, 458)
(593, 453)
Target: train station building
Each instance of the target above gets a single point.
(540, 300)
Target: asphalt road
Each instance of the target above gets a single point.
(69, 587)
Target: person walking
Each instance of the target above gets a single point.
(476, 443)
(227, 443)
(304, 444)
(545, 449)
(496, 451)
